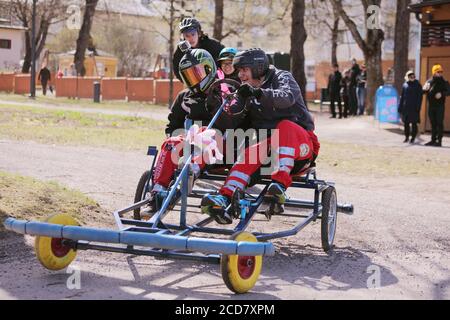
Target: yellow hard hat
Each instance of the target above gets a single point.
(437, 68)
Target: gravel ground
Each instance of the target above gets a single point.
(399, 231)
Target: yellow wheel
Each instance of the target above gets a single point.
(240, 273)
(51, 252)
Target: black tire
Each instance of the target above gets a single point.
(140, 193)
(329, 218)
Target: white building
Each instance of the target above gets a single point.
(12, 46)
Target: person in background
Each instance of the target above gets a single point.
(191, 30)
(410, 104)
(334, 88)
(436, 89)
(352, 98)
(361, 90)
(60, 74)
(45, 77)
(73, 70)
(345, 88)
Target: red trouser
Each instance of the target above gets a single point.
(169, 158)
(294, 144)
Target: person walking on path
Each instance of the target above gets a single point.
(436, 89)
(410, 104)
(44, 76)
(334, 88)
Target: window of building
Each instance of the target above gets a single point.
(5, 44)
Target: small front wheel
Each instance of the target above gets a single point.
(52, 253)
(329, 218)
(240, 273)
(142, 190)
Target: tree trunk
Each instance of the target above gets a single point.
(298, 38)
(401, 42)
(218, 20)
(374, 76)
(84, 35)
(27, 59)
(334, 39)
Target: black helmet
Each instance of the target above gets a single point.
(255, 59)
(188, 24)
(198, 70)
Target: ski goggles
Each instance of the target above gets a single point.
(193, 75)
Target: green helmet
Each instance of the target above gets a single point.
(197, 70)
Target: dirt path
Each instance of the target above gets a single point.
(149, 111)
(400, 228)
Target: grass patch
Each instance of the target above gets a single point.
(84, 103)
(79, 128)
(378, 161)
(30, 199)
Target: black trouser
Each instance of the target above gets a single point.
(436, 114)
(346, 105)
(44, 87)
(352, 101)
(333, 99)
(408, 130)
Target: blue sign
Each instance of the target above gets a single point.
(387, 105)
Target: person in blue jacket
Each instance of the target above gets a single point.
(410, 104)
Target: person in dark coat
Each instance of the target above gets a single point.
(44, 76)
(192, 32)
(345, 88)
(334, 88)
(409, 106)
(352, 97)
(436, 88)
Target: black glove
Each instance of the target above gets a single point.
(246, 91)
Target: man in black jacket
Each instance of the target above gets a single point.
(269, 99)
(436, 89)
(334, 88)
(192, 32)
(352, 97)
(44, 76)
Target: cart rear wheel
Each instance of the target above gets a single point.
(142, 189)
(240, 273)
(51, 252)
(329, 218)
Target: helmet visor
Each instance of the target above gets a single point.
(193, 75)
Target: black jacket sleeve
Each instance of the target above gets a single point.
(284, 94)
(177, 114)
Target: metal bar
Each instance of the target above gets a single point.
(287, 233)
(140, 238)
(156, 219)
(243, 224)
(199, 224)
(212, 258)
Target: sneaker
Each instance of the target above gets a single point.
(276, 191)
(216, 207)
(431, 143)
